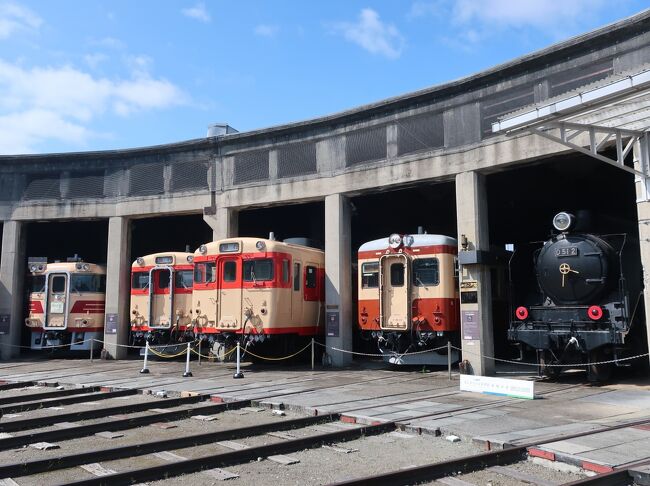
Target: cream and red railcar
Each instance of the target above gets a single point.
(255, 290)
(161, 298)
(408, 296)
(66, 304)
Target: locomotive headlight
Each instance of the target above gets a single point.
(140, 261)
(394, 240)
(190, 258)
(203, 249)
(408, 240)
(259, 245)
(563, 221)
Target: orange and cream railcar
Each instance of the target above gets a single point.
(254, 290)
(408, 296)
(161, 298)
(66, 304)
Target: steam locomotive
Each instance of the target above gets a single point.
(580, 313)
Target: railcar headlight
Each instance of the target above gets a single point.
(203, 249)
(86, 266)
(259, 245)
(78, 266)
(140, 261)
(408, 240)
(394, 240)
(563, 221)
(190, 258)
(33, 268)
(40, 268)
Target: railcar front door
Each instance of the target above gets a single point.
(57, 301)
(230, 295)
(394, 302)
(161, 315)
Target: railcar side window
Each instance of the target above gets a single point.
(229, 271)
(183, 279)
(310, 277)
(296, 276)
(370, 275)
(205, 272)
(397, 275)
(163, 279)
(258, 270)
(140, 280)
(89, 283)
(37, 283)
(285, 271)
(426, 272)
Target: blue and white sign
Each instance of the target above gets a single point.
(498, 386)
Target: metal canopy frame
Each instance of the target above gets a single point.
(561, 122)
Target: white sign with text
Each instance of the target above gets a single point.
(498, 386)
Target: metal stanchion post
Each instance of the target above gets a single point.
(199, 351)
(92, 349)
(449, 358)
(238, 373)
(146, 356)
(187, 373)
(313, 351)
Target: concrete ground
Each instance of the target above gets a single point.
(421, 402)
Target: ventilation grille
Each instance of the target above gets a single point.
(418, 133)
(297, 159)
(495, 106)
(147, 180)
(365, 146)
(251, 166)
(189, 176)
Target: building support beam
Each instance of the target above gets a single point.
(12, 276)
(118, 271)
(477, 335)
(338, 279)
(224, 223)
(641, 156)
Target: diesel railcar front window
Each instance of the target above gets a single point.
(310, 278)
(397, 275)
(205, 272)
(370, 275)
(426, 272)
(140, 280)
(37, 284)
(230, 271)
(88, 283)
(183, 279)
(163, 279)
(58, 284)
(258, 270)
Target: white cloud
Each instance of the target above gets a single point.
(60, 103)
(109, 42)
(266, 30)
(95, 59)
(14, 18)
(197, 12)
(372, 34)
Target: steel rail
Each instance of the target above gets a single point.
(71, 460)
(17, 384)
(223, 459)
(621, 476)
(50, 394)
(55, 402)
(36, 422)
(467, 464)
(117, 424)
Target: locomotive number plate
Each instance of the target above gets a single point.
(567, 251)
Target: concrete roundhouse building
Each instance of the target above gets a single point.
(431, 158)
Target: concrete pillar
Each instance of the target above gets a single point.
(338, 279)
(12, 275)
(641, 160)
(273, 165)
(224, 223)
(118, 271)
(477, 337)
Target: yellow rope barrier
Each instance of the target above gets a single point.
(208, 357)
(277, 359)
(161, 355)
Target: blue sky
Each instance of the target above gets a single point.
(80, 75)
